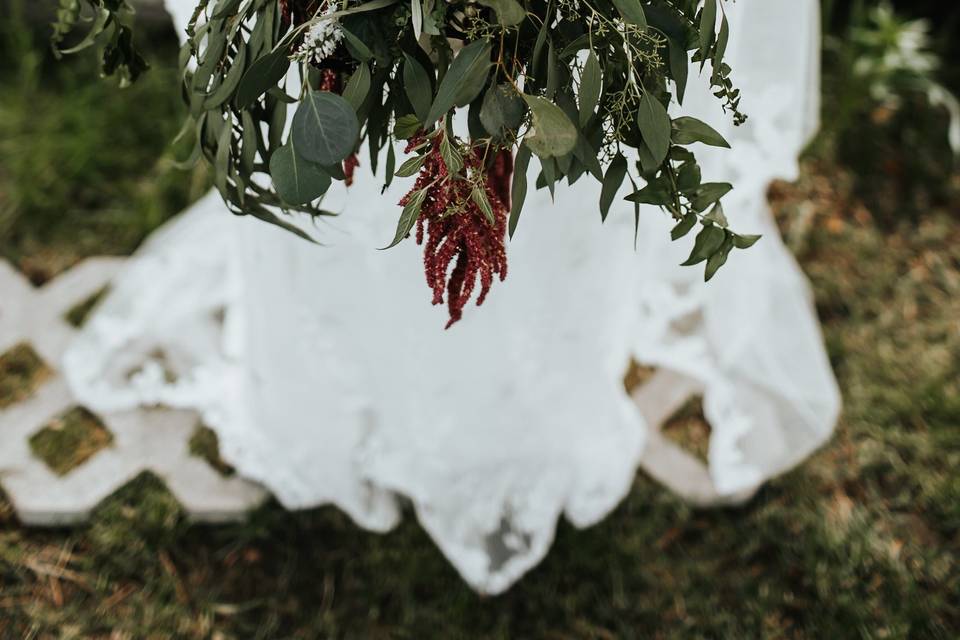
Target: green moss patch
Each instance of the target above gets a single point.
(21, 372)
(70, 440)
(78, 314)
(205, 444)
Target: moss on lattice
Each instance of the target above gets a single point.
(70, 440)
(688, 427)
(205, 444)
(637, 375)
(21, 372)
(78, 314)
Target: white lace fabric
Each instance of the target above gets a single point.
(328, 376)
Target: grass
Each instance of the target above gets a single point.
(80, 176)
(862, 541)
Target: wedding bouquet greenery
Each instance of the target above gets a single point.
(583, 85)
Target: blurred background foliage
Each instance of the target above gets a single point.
(862, 541)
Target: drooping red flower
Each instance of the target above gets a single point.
(454, 231)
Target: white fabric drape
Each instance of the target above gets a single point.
(328, 377)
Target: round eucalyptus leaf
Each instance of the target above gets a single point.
(325, 128)
(502, 111)
(553, 132)
(296, 180)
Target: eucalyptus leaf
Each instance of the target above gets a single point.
(296, 180)
(358, 49)
(325, 128)
(591, 85)
(632, 12)
(707, 243)
(611, 184)
(502, 111)
(745, 242)
(687, 130)
(358, 87)
(718, 259)
(708, 193)
(708, 23)
(416, 84)
(553, 134)
(654, 123)
(463, 81)
(406, 126)
(684, 226)
(509, 12)
(518, 190)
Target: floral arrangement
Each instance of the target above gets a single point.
(583, 85)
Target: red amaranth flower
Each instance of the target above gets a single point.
(349, 167)
(453, 229)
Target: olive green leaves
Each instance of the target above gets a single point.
(687, 130)
(463, 81)
(654, 124)
(509, 12)
(632, 12)
(263, 74)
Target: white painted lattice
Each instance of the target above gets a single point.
(155, 440)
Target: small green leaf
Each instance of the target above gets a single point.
(358, 87)
(416, 83)
(591, 84)
(463, 81)
(716, 216)
(479, 198)
(632, 12)
(518, 190)
(679, 59)
(262, 75)
(509, 12)
(689, 177)
(708, 23)
(325, 128)
(654, 123)
(451, 156)
(684, 226)
(391, 165)
(552, 134)
(708, 193)
(502, 111)
(611, 184)
(654, 193)
(707, 243)
(406, 127)
(296, 180)
(230, 82)
(718, 259)
(356, 46)
(410, 166)
(745, 242)
(687, 130)
(408, 218)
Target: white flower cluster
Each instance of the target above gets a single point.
(320, 41)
